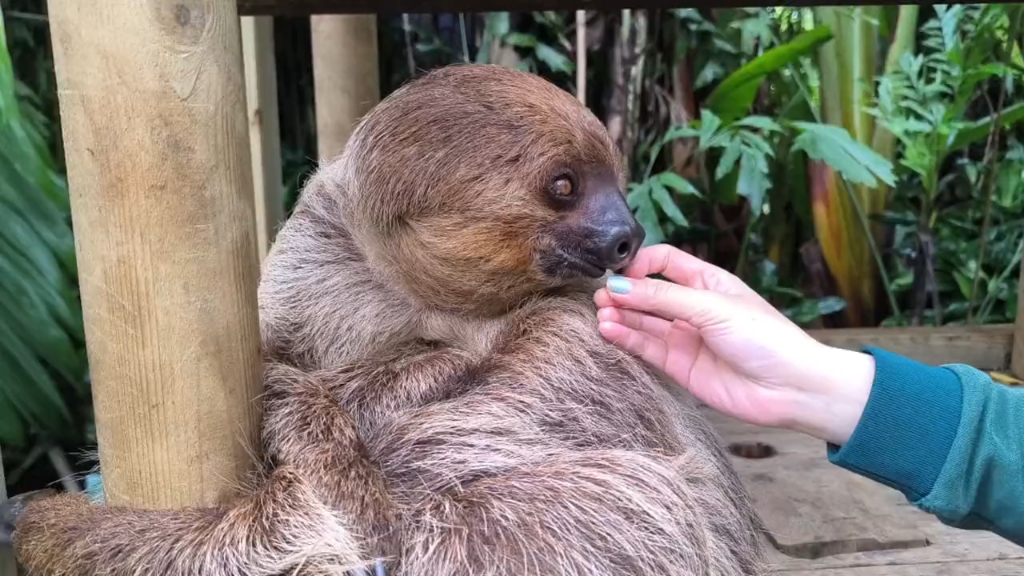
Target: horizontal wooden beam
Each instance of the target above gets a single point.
(310, 7)
(983, 347)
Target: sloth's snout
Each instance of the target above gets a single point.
(620, 243)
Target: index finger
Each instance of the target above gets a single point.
(684, 269)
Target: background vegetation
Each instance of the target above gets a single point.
(859, 166)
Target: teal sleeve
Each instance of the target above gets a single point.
(948, 438)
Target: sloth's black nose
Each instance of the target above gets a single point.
(621, 242)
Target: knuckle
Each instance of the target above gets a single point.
(657, 290)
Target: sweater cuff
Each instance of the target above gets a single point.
(908, 426)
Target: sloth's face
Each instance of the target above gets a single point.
(593, 230)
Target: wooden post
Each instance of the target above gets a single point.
(1017, 353)
(581, 56)
(264, 126)
(153, 112)
(345, 75)
(8, 566)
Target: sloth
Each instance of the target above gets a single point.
(438, 400)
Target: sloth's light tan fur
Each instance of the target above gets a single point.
(433, 398)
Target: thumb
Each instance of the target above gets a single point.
(698, 308)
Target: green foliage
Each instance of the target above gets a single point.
(924, 100)
(742, 142)
(733, 97)
(796, 305)
(834, 146)
(536, 47)
(42, 363)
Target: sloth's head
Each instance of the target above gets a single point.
(483, 185)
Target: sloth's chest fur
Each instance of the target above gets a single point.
(549, 386)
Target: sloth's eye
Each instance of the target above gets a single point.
(562, 187)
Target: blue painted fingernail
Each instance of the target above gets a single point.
(619, 285)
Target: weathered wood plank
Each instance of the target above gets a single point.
(983, 347)
(346, 78)
(264, 126)
(824, 518)
(982, 568)
(309, 7)
(153, 114)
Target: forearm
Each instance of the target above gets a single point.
(947, 438)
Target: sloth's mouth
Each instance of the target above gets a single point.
(581, 265)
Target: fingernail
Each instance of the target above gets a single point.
(619, 284)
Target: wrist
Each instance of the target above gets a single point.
(835, 393)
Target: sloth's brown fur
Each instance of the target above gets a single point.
(433, 398)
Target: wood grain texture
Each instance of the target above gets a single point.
(264, 126)
(345, 77)
(983, 347)
(310, 7)
(826, 520)
(982, 568)
(153, 114)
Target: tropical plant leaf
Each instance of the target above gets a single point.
(639, 199)
(661, 195)
(521, 40)
(554, 59)
(729, 158)
(678, 183)
(753, 183)
(978, 130)
(760, 123)
(733, 97)
(41, 364)
(833, 145)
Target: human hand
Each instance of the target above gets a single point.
(730, 348)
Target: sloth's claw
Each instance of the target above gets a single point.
(12, 509)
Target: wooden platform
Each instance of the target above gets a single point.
(831, 522)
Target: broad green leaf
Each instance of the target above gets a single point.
(831, 305)
(963, 282)
(647, 216)
(978, 130)
(753, 183)
(498, 24)
(677, 132)
(709, 124)
(678, 183)
(521, 40)
(733, 97)
(833, 145)
(729, 158)
(760, 123)
(803, 313)
(668, 206)
(554, 59)
(755, 141)
(635, 191)
(42, 366)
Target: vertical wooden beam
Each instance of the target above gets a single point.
(581, 56)
(264, 126)
(8, 566)
(1017, 353)
(345, 75)
(153, 112)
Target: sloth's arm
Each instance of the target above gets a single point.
(278, 527)
(313, 422)
(324, 491)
